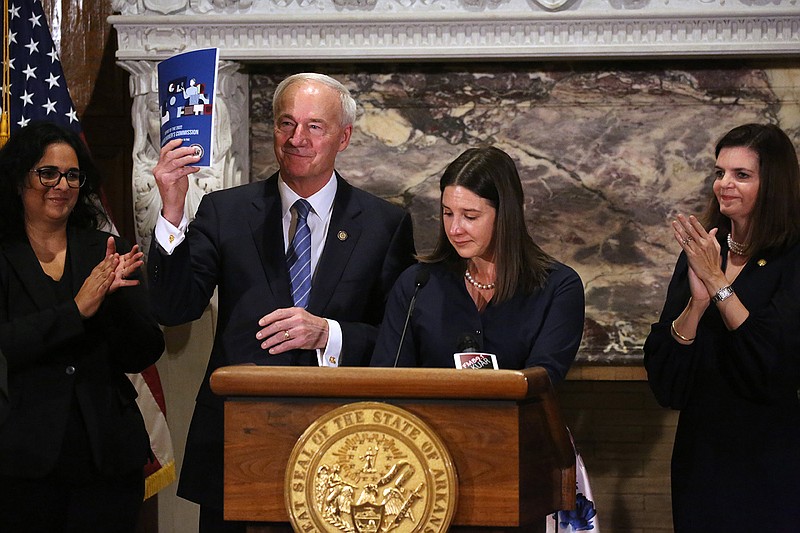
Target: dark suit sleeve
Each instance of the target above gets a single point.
(762, 356)
(758, 360)
(181, 284)
(26, 339)
(671, 366)
(358, 338)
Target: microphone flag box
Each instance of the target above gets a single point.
(476, 360)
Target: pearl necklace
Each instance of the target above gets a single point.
(482, 286)
(735, 247)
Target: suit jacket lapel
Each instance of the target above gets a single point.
(267, 229)
(343, 234)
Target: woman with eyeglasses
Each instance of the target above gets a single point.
(74, 319)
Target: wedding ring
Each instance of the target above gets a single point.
(685, 241)
(286, 335)
(689, 238)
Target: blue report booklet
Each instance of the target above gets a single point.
(186, 84)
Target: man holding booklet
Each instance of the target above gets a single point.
(302, 262)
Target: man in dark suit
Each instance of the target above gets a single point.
(245, 242)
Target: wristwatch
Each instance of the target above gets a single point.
(723, 293)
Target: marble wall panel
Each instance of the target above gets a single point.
(608, 154)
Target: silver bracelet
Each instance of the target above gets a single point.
(722, 294)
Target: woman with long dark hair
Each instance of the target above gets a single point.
(726, 349)
(489, 280)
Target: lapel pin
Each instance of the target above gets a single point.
(342, 235)
(762, 262)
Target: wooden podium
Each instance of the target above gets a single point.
(510, 448)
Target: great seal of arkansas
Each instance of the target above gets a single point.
(370, 467)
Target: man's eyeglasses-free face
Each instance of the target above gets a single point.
(51, 177)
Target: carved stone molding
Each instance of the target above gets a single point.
(354, 30)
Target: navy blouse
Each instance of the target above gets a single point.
(539, 329)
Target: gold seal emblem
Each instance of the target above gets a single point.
(370, 467)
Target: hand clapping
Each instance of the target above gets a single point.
(108, 276)
(703, 254)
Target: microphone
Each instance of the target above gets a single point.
(470, 355)
(468, 343)
(422, 278)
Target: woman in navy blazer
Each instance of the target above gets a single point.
(73, 321)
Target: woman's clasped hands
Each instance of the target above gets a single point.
(703, 255)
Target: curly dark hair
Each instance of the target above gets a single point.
(23, 150)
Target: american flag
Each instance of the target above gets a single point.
(38, 88)
(38, 91)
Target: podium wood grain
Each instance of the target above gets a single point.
(511, 450)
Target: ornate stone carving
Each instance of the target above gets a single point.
(356, 4)
(438, 29)
(170, 7)
(554, 5)
(584, 8)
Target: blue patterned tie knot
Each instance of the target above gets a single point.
(298, 257)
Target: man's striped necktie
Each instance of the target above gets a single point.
(298, 257)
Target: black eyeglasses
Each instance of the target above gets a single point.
(51, 177)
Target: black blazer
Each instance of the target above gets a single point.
(235, 244)
(54, 356)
